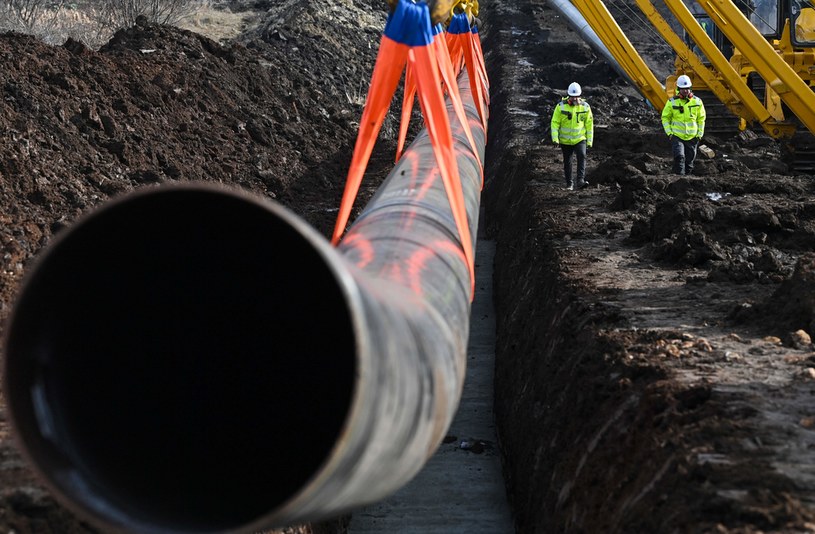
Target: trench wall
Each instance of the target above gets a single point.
(575, 422)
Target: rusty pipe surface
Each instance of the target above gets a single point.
(196, 359)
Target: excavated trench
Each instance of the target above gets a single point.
(552, 391)
(643, 382)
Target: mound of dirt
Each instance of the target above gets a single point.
(274, 112)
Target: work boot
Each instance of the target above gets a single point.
(679, 165)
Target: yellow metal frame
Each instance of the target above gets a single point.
(609, 32)
(779, 75)
(802, 60)
(753, 108)
(703, 77)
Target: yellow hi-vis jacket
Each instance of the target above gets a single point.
(684, 118)
(572, 124)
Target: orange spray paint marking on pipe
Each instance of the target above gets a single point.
(395, 273)
(363, 248)
(414, 170)
(419, 259)
(426, 186)
(415, 266)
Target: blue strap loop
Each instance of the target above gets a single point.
(409, 24)
(459, 24)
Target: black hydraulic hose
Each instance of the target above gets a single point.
(192, 358)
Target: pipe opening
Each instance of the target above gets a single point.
(182, 358)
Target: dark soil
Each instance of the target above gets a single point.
(655, 372)
(274, 113)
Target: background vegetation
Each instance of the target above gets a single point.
(92, 22)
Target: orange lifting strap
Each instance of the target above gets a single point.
(407, 40)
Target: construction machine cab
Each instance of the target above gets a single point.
(766, 16)
(710, 29)
(769, 18)
(802, 23)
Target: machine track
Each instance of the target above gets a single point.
(797, 152)
(721, 122)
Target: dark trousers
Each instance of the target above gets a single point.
(568, 152)
(684, 153)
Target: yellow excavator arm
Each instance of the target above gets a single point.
(692, 62)
(741, 100)
(609, 32)
(788, 64)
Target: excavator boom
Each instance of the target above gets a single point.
(784, 58)
(723, 80)
(778, 74)
(609, 32)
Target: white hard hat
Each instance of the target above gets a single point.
(683, 82)
(574, 89)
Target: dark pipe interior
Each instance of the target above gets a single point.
(188, 354)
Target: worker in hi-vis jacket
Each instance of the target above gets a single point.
(683, 119)
(573, 129)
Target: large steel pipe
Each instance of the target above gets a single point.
(196, 359)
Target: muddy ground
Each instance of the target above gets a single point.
(654, 367)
